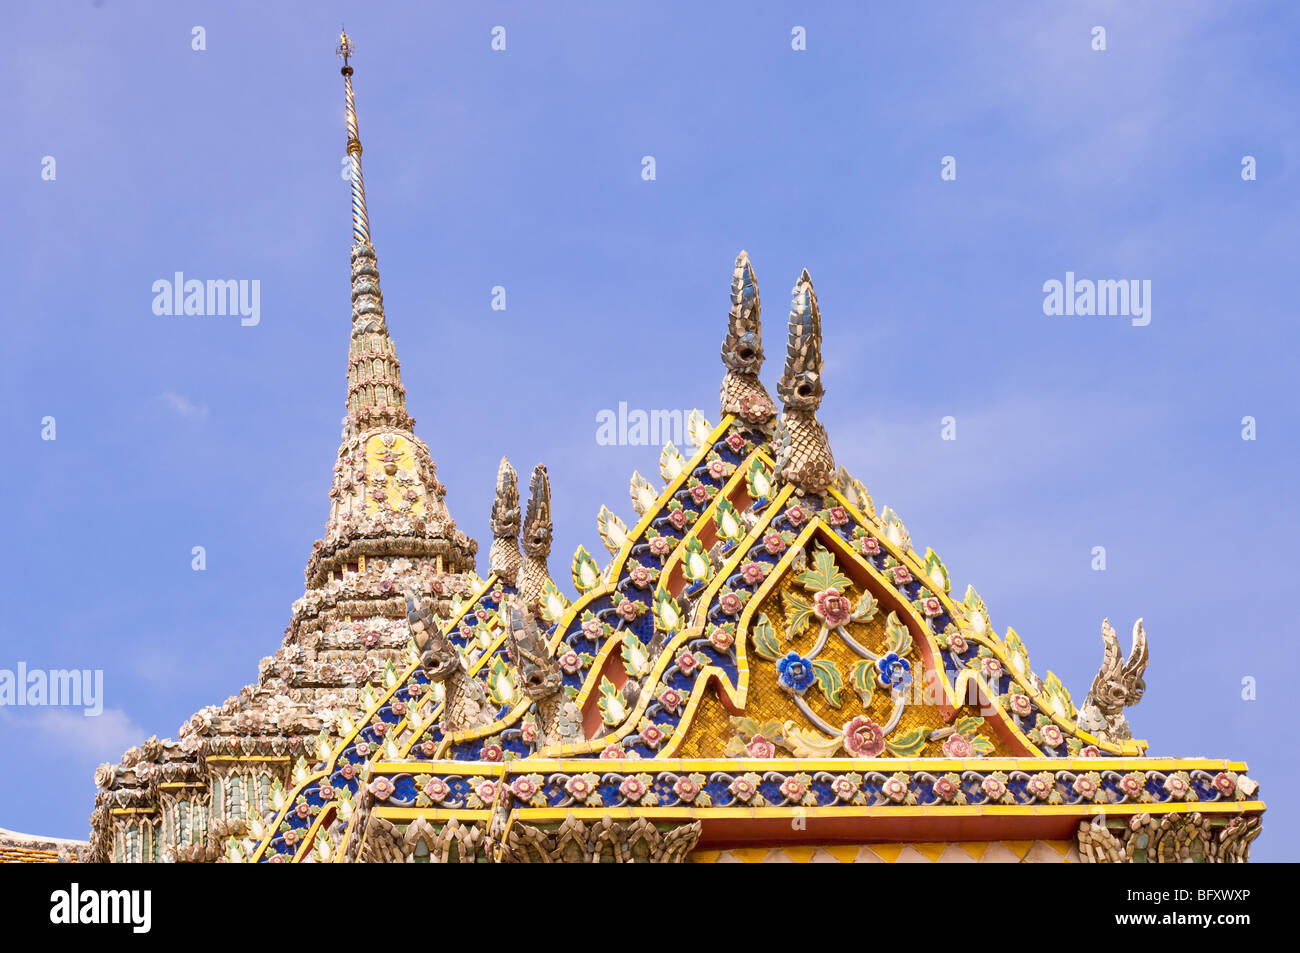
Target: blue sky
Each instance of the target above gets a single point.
(523, 169)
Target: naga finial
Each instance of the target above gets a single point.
(438, 657)
(558, 719)
(465, 705)
(536, 539)
(537, 520)
(800, 387)
(804, 455)
(539, 674)
(503, 557)
(1118, 685)
(742, 349)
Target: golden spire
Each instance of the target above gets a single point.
(375, 392)
(360, 220)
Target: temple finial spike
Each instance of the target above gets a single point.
(375, 392)
(742, 349)
(536, 540)
(801, 381)
(503, 557)
(804, 456)
(360, 218)
(345, 48)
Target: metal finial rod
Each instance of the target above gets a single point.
(360, 218)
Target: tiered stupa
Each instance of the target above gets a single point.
(766, 669)
(388, 533)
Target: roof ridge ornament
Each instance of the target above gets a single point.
(1118, 684)
(743, 394)
(558, 719)
(536, 540)
(504, 558)
(803, 452)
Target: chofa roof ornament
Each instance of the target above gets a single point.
(803, 452)
(743, 394)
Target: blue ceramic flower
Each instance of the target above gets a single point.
(795, 673)
(895, 672)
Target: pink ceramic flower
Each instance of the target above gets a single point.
(381, 788)
(792, 789)
(832, 607)
(661, 545)
(1041, 785)
(578, 786)
(957, 643)
(958, 746)
(869, 546)
(687, 663)
(632, 788)
(627, 609)
(1020, 705)
(490, 752)
(863, 738)
(570, 662)
(760, 747)
(796, 515)
(743, 788)
(730, 603)
(720, 638)
(686, 789)
(528, 732)
(843, 788)
(1176, 787)
(895, 789)
(670, 698)
(994, 788)
(652, 735)
(523, 788)
(753, 573)
(838, 515)
(1225, 784)
(736, 442)
(773, 543)
(613, 752)
(1085, 787)
(1052, 736)
(944, 788)
(593, 629)
(932, 607)
(990, 668)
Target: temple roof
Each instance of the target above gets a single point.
(763, 631)
(762, 638)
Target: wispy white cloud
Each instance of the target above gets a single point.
(185, 407)
(100, 738)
